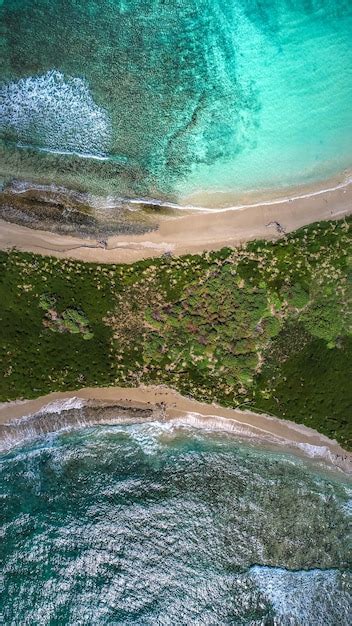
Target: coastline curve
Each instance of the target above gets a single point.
(21, 420)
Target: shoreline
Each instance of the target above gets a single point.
(164, 404)
(196, 230)
(222, 201)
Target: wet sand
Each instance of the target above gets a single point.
(165, 404)
(195, 229)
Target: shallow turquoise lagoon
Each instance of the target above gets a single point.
(162, 98)
(150, 524)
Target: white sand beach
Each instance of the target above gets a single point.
(169, 405)
(195, 229)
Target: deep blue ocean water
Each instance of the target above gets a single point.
(163, 98)
(149, 524)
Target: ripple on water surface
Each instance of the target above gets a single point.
(152, 524)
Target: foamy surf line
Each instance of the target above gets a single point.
(67, 415)
(246, 431)
(109, 408)
(238, 207)
(57, 151)
(130, 202)
(55, 408)
(22, 429)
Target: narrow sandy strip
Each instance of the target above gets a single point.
(173, 407)
(193, 231)
(223, 201)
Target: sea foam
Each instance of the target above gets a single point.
(304, 597)
(55, 113)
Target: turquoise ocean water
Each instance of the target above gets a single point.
(150, 524)
(161, 98)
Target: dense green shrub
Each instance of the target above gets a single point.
(266, 325)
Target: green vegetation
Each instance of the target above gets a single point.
(71, 320)
(265, 326)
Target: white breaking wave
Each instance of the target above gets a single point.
(30, 426)
(308, 598)
(215, 423)
(316, 452)
(62, 405)
(55, 113)
(56, 407)
(149, 434)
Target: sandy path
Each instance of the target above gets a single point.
(245, 424)
(193, 231)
